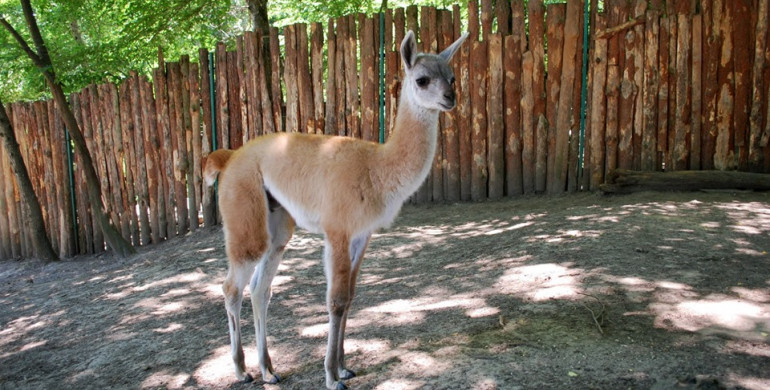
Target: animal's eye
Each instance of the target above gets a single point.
(423, 81)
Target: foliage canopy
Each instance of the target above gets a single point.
(92, 41)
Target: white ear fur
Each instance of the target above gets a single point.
(409, 50)
(452, 49)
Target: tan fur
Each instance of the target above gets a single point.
(342, 187)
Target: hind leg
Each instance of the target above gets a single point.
(243, 205)
(237, 278)
(281, 227)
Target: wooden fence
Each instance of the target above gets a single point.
(677, 85)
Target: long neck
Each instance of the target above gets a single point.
(408, 154)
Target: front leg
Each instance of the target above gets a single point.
(357, 249)
(338, 267)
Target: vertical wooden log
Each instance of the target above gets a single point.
(264, 84)
(756, 156)
(742, 57)
(5, 228)
(317, 69)
(176, 96)
(145, 160)
(351, 78)
(234, 69)
(626, 105)
(304, 82)
(650, 91)
(639, 32)
(275, 80)
(368, 81)
(487, 15)
(68, 245)
(611, 131)
(140, 168)
(672, 82)
(451, 138)
(558, 177)
(341, 83)
(697, 94)
(195, 175)
(464, 128)
(473, 20)
(185, 135)
(244, 100)
(330, 124)
(290, 79)
(109, 111)
(478, 91)
(537, 35)
(527, 129)
(129, 221)
(253, 113)
(222, 111)
(598, 107)
(663, 92)
(208, 205)
(14, 244)
(512, 88)
(48, 185)
(164, 140)
(680, 147)
(711, 11)
(495, 133)
(503, 15)
(724, 156)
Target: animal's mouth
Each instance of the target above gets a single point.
(447, 106)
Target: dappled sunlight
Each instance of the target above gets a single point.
(217, 368)
(400, 384)
(749, 382)
(541, 282)
(715, 314)
(165, 379)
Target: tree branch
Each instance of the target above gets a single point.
(35, 58)
(34, 31)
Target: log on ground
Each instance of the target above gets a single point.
(626, 181)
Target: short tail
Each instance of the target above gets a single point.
(215, 163)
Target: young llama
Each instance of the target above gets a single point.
(342, 187)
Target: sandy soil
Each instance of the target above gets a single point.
(651, 290)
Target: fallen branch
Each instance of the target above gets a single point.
(623, 181)
(594, 316)
(607, 32)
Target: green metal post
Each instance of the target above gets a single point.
(71, 172)
(583, 91)
(382, 76)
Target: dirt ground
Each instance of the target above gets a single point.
(651, 290)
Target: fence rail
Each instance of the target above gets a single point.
(670, 86)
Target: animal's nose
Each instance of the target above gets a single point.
(450, 95)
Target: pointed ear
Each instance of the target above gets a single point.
(409, 50)
(452, 49)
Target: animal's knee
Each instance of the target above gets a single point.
(338, 303)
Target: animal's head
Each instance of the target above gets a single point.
(429, 80)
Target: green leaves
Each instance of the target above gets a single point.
(91, 41)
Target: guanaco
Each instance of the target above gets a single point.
(342, 187)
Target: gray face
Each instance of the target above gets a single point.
(429, 78)
(432, 81)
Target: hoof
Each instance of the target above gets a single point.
(275, 379)
(248, 379)
(341, 386)
(347, 374)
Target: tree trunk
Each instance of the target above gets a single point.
(40, 242)
(43, 62)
